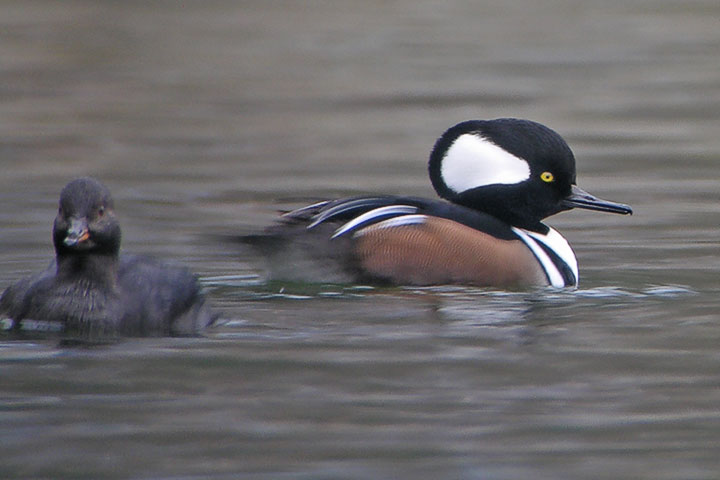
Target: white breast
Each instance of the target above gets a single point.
(555, 242)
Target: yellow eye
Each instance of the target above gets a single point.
(547, 177)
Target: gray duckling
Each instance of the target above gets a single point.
(90, 290)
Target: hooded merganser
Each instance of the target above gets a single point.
(501, 178)
(90, 290)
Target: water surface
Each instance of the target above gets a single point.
(205, 118)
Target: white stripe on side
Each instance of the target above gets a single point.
(377, 213)
(555, 242)
(403, 221)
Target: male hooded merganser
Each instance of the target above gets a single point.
(501, 178)
(90, 290)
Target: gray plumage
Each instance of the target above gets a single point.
(92, 291)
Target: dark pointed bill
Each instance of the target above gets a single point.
(579, 198)
(77, 233)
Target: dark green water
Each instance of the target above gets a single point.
(204, 118)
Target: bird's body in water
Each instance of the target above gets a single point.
(92, 291)
(500, 178)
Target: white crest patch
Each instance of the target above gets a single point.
(555, 242)
(473, 161)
